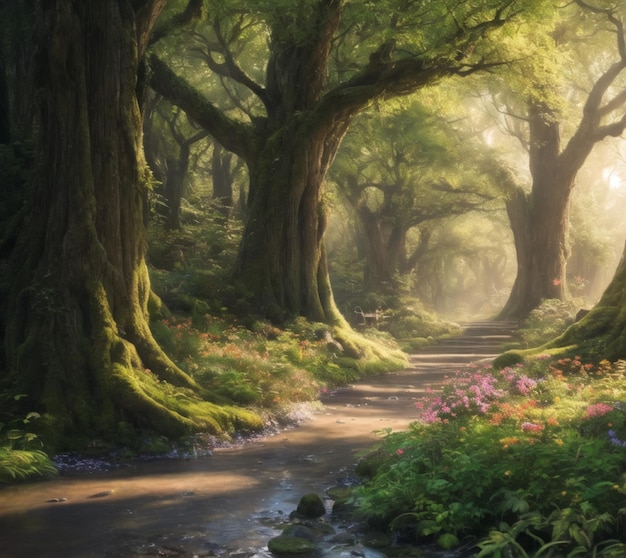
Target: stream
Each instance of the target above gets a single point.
(232, 502)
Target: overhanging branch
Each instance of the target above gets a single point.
(234, 136)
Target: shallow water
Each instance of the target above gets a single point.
(226, 504)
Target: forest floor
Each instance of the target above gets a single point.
(231, 502)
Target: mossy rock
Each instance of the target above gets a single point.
(284, 544)
(312, 531)
(311, 506)
(341, 496)
(448, 541)
(510, 358)
(369, 465)
(299, 531)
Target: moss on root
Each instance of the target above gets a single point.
(373, 356)
(176, 412)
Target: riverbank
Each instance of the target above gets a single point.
(229, 503)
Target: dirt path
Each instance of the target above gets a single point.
(226, 504)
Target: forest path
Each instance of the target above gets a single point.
(228, 504)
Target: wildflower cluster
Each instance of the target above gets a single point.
(477, 393)
(512, 444)
(598, 410)
(532, 427)
(468, 393)
(506, 411)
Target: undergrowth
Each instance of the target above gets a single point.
(526, 461)
(21, 456)
(262, 366)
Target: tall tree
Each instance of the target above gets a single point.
(326, 61)
(75, 321)
(540, 218)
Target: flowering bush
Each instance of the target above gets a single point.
(500, 450)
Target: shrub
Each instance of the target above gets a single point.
(523, 457)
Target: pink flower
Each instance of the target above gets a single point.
(532, 427)
(399, 451)
(598, 410)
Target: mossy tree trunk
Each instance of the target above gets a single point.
(602, 332)
(77, 338)
(281, 255)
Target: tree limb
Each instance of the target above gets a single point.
(191, 13)
(233, 135)
(234, 71)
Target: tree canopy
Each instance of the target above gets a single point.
(297, 95)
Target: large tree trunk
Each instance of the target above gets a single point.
(77, 336)
(282, 254)
(540, 228)
(540, 221)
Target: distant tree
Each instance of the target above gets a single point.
(537, 113)
(416, 174)
(224, 170)
(170, 163)
(323, 64)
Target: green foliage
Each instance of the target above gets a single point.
(529, 459)
(546, 322)
(264, 366)
(410, 321)
(16, 464)
(20, 458)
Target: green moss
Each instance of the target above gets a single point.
(130, 395)
(285, 544)
(510, 358)
(156, 308)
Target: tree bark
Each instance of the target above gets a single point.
(222, 174)
(540, 221)
(282, 255)
(77, 338)
(602, 332)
